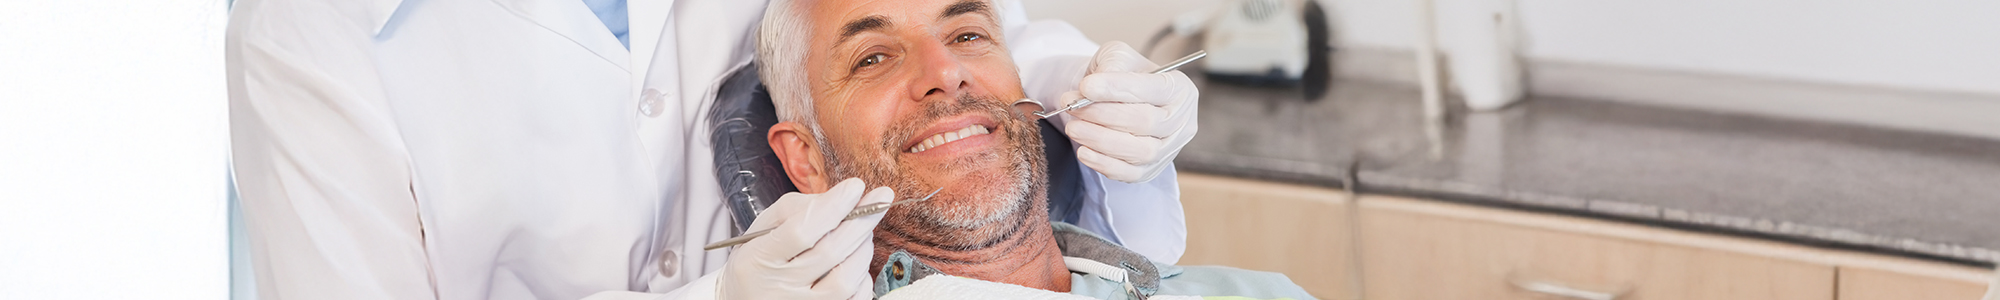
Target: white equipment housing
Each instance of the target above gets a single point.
(1253, 39)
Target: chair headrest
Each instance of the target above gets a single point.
(751, 175)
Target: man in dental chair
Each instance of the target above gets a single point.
(916, 96)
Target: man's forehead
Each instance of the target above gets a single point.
(850, 17)
(854, 8)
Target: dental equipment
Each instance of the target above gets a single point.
(1163, 69)
(857, 213)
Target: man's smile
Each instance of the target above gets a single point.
(951, 135)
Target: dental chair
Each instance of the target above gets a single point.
(752, 178)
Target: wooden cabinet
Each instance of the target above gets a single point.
(1296, 230)
(1873, 277)
(1390, 248)
(1417, 249)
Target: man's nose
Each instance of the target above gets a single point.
(940, 75)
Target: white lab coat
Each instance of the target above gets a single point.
(504, 149)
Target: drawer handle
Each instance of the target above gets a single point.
(1564, 291)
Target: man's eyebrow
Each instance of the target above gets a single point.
(966, 7)
(864, 24)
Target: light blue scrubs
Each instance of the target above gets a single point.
(1209, 281)
(1196, 281)
(1159, 279)
(612, 13)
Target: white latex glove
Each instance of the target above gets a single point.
(1140, 120)
(811, 254)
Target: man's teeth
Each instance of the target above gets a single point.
(942, 138)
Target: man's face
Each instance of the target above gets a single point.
(915, 95)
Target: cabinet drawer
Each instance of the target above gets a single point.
(1869, 277)
(1414, 249)
(1300, 231)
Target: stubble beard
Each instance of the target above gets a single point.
(975, 213)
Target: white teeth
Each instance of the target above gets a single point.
(947, 137)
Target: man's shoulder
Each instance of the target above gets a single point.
(1227, 281)
(1202, 281)
(1106, 270)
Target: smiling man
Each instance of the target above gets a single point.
(915, 95)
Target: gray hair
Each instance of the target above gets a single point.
(782, 40)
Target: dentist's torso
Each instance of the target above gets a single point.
(548, 161)
(545, 164)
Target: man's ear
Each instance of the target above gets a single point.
(794, 145)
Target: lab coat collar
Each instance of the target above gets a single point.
(572, 20)
(379, 12)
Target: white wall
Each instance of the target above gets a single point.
(1947, 45)
(113, 141)
(1131, 21)
(1938, 45)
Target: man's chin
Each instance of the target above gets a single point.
(973, 210)
(970, 200)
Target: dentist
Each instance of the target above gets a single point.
(549, 149)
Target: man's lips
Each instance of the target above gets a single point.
(948, 130)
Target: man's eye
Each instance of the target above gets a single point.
(871, 60)
(967, 38)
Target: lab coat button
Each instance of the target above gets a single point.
(652, 103)
(670, 262)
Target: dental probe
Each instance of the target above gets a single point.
(863, 211)
(1163, 69)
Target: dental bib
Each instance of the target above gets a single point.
(954, 287)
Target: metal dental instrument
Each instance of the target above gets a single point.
(863, 211)
(1080, 103)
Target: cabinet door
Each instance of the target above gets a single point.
(1877, 278)
(1415, 249)
(1297, 230)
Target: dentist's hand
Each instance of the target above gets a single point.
(811, 254)
(1140, 120)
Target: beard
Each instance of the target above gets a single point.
(1001, 188)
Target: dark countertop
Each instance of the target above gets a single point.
(1906, 193)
